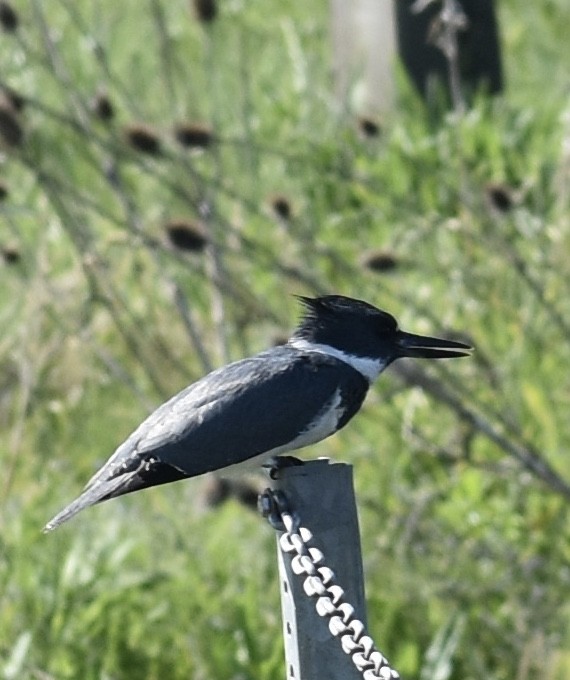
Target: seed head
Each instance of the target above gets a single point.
(143, 138)
(196, 135)
(102, 107)
(205, 10)
(13, 98)
(10, 254)
(11, 130)
(9, 19)
(368, 127)
(186, 235)
(499, 196)
(218, 490)
(380, 261)
(281, 206)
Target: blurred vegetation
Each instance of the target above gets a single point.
(169, 176)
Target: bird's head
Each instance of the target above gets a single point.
(361, 330)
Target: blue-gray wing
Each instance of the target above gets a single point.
(242, 410)
(233, 414)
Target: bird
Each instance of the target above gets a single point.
(259, 408)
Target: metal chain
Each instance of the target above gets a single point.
(320, 583)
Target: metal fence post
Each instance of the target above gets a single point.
(323, 495)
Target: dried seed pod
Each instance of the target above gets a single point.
(499, 196)
(217, 490)
(143, 138)
(11, 130)
(205, 10)
(281, 206)
(194, 135)
(380, 261)
(13, 98)
(10, 254)
(246, 494)
(9, 19)
(368, 127)
(186, 235)
(102, 107)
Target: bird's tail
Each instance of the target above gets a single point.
(96, 493)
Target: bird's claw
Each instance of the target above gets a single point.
(277, 463)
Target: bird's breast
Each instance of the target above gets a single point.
(326, 422)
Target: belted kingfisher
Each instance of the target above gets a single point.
(279, 400)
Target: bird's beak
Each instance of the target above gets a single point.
(421, 346)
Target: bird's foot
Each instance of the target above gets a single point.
(277, 463)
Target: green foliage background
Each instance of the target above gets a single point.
(461, 469)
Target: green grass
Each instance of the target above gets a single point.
(461, 470)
